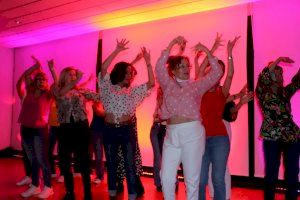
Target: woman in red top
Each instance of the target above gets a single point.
(217, 142)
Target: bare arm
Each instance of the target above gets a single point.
(241, 93)
(29, 71)
(278, 60)
(200, 69)
(230, 69)
(243, 100)
(147, 57)
(20, 90)
(138, 57)
(121, 46)
(53, 71)
(71, 85)
(84, 84)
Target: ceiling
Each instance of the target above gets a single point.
(27, 22)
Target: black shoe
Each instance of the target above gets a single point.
(139, 187)
(69, 196)
(158, 188)
(120, 187)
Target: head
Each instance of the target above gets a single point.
(40, 81)
(221, 63)
(123, 74)
(66, 76)
(179, 67)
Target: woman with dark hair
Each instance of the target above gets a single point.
(120, 101)
(34, 128)
(75, 134)
(217, 145)
(185, 137)
(279, 132)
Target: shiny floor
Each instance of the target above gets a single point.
(11, 171)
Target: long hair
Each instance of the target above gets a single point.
(119, 71)
(62, 76)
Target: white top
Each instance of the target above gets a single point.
(120, 100)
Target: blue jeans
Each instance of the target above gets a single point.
(35, 141)
(113, 137)
(54, 132)
(97, 136)
(157, 135)
(216, 153)
(272, 154)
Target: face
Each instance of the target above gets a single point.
(41, 82)
(70, 76)
(129, 77)
(182, 70)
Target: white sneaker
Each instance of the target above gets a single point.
(31, 191)
(47, 192)
(61, 179)
(97, 181)
(25, 181)
(76, 175)
(53, 175)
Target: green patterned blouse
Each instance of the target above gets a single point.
(274, 100)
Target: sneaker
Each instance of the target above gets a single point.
(33, 190)
(97, 181)
(25, 181)
(47, 192)
(61, 179)
(53, 175)
(76, 175)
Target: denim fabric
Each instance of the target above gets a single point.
(216, 153)
(113, 137)
(272, 154)
(35, 141)
(54, 132)
(26, 161)
(157, 135)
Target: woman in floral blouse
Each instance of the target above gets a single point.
(279, 132)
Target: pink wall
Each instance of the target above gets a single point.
(276, 28)
(197, 27)
(6, 95)
(79, 51)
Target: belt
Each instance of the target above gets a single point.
(119, 124)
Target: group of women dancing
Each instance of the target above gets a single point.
(190, 126)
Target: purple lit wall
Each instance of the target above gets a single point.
(79, 51)
(6, 95)
(276, 28)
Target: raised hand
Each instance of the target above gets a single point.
(51, 63)
(200, 47)
(146, 55)
(244, 90)
(218, 42)
(246, 98)
(37, 62)
(286, 60)
(121, 45)
(232, 43)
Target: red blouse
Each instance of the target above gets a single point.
(211, 109)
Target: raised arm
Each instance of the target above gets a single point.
(53, 71)
(292, 88)
(85, 83)
(200, 69)
(273, 64)
(161, 71)
(121, 46)
(243, 100)
(31, 70)
(147, 57)
(20, 90)
(138, 57)
(241, 93)
(230, 67)
(71, 85)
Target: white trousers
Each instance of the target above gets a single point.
(184, 143)
(227, 173)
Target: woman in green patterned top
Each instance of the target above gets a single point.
(279, 132)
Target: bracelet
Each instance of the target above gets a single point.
(229, 57)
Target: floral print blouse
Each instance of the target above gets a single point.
(73, 104)
(274, 100)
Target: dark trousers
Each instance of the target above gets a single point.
(113, 137)
(272, 154)
(75, 138)
(35, 141)
(98, 150)
(54, 132)
(26, 161)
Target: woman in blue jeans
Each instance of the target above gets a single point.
(217, 144)
(120, 101)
